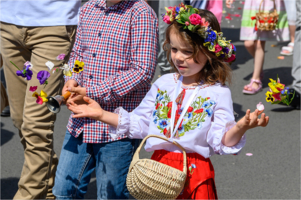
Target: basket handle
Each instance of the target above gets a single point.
(262, 2)
(136, 155)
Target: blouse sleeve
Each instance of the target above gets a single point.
(136, 123)
(222, 121)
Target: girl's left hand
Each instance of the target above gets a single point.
(91, 109)
(251, 120)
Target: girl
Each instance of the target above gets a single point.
(254, 41)
(192, 106)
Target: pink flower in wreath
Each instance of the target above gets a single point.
(218, 48)
(195, 19)
(204, 22)
(166, 19)
(231, 59)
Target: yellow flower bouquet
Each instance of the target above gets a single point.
(278, 93)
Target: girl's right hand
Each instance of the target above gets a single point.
(91, 110)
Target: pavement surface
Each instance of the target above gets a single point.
(272, 172)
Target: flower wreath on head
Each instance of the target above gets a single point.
(190, 19)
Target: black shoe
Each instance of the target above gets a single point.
(296, 101)
(5, 112)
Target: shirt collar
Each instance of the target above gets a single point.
(102, 4)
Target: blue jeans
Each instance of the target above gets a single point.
(78, 160)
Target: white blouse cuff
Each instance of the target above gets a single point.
(224, 150)
(123, 123)
(135, 127)
(128, 124)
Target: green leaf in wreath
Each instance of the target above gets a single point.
(181, 22)
(191, 11)
(195, 28)
(184, 18)
(190, 27)
(211, 48)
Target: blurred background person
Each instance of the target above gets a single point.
(254, 40)
(296, 69)
(214, 6)
(290, 7)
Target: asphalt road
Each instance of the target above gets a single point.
(273, 172)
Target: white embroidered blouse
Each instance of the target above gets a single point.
(208, 118)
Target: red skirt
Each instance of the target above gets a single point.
(200, 173)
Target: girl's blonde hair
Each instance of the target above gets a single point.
(215, 70)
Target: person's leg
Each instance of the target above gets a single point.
(258, 65)
(112, 163)
(292, 29)
(250, 46)
(296, 70)
(290, 7)
(34, 121)
(5, 112)
(76, 164)
(258, 59)
(45, 44)
(12, 49)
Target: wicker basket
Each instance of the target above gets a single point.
(149, 179)
(266, 21)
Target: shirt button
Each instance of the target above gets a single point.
(99, 34)
(90, 77)
(94, 54)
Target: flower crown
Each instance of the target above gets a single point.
(190, 19)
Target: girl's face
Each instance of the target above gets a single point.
(180, 53)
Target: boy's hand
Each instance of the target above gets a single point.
(77, 94)
(251, 120)
(91, 109)
(69, 84)
(77, 90)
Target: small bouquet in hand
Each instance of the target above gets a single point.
(278, 93)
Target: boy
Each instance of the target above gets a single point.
(117, 41)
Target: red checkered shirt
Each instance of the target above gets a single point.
(118, 45)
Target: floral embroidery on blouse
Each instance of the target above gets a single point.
(193, 118)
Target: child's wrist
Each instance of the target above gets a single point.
(241, 127)
(101, 115)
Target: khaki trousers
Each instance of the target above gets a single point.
(34, 121)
